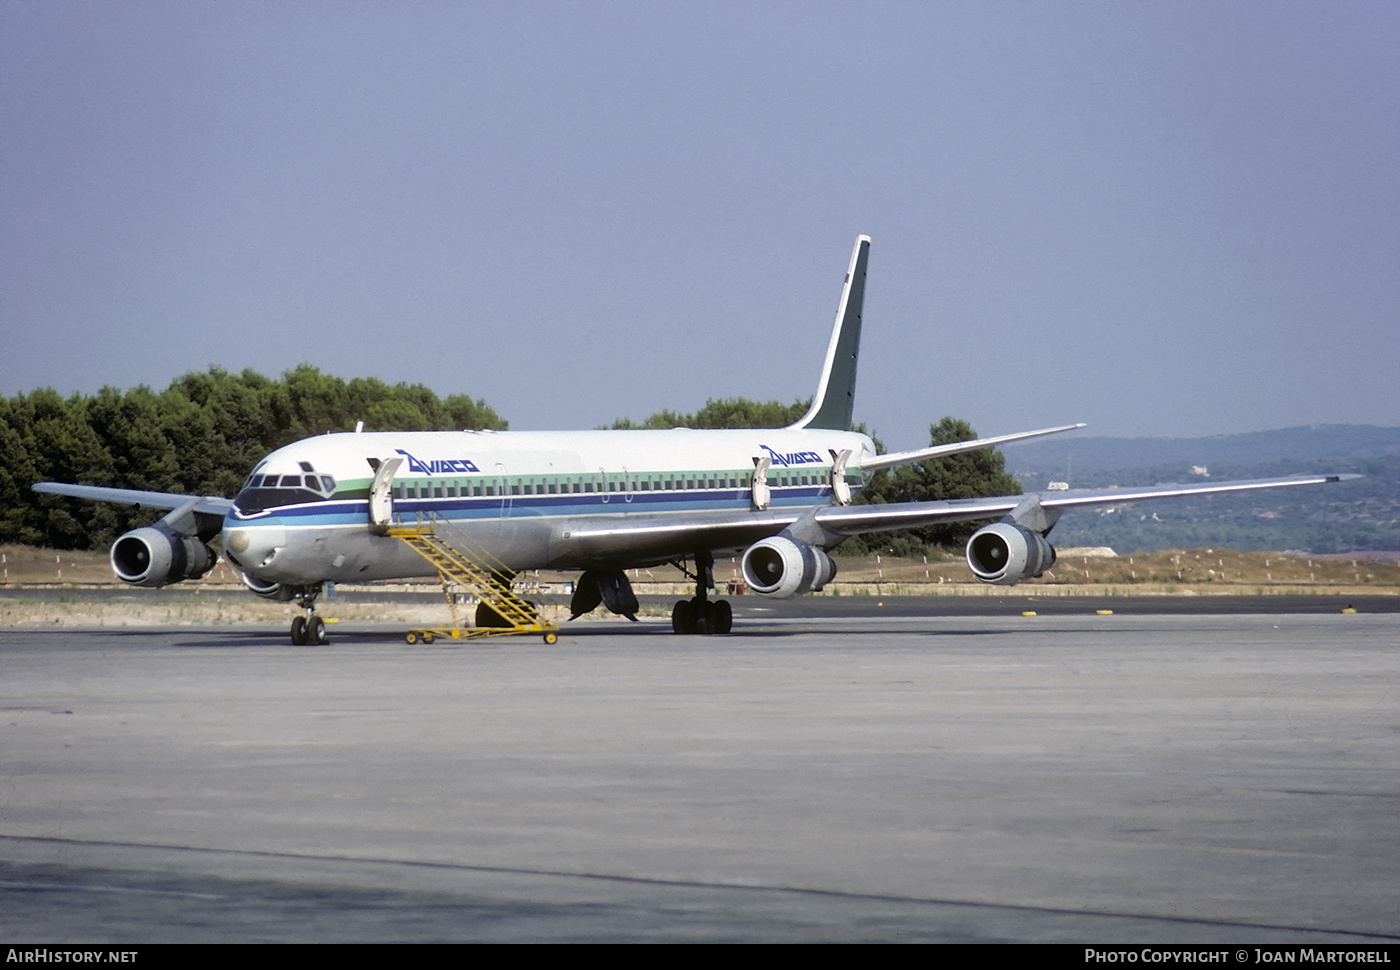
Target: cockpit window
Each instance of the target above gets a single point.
(263, 492)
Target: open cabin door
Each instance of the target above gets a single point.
(381, 494)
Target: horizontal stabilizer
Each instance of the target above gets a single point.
(953, 448)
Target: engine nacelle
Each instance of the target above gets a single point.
(156, 556)
(1005, 554)
(269, 591)
(784, 567)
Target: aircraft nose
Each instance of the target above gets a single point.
(254, 547)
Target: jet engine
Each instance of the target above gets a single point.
(1004, 554)
(269, 591)
(784, 567)
(157, 556)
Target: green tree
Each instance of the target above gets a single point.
(465, 414)
(17, 473)
(129, 425)
(232, 408)
(60, 445)
(200, 435)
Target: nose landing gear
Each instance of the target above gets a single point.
(310, 629)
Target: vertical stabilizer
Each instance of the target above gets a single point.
(836, 393)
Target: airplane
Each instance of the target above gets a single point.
(319, 511)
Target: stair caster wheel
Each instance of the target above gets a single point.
(551, 638)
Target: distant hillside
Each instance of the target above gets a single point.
(1360, 515)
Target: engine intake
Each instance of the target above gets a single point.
(784, 567)
(269, 591)
(156, 556)
(1004, 554)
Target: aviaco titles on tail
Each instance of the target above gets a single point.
(322, 510)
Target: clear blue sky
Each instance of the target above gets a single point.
(1162, 218)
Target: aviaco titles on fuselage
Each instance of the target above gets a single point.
(332, 508)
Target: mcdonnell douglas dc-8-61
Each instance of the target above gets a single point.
(324, 510)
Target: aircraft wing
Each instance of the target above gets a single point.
(206, 505)
(855, 519)
(639, 539)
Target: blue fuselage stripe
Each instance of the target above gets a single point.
(356, 512)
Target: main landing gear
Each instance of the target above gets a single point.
(701, 614)
(310, 629)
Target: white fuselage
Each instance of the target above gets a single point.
(527, 500)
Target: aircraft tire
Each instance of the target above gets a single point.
(683, 617)
(298, 631)
(316, 632)
(704, 612)
(723, 620)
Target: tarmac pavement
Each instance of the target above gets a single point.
(1067, 778)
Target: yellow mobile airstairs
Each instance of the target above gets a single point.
(459, 563)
